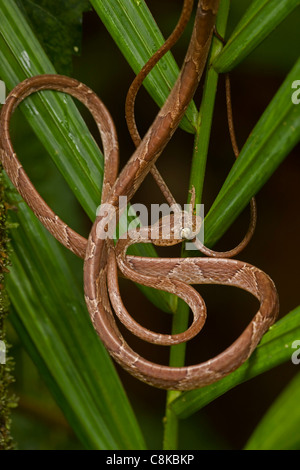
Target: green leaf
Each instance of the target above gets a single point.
(138, 37)
(274, 349)
(57, 28)
(201, 143)
(279, 428)
(58, 124)
(273, 137)
(53, 322)
(53, 116)
(261, 18)
(205, 117)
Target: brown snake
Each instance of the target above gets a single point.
(102, 259)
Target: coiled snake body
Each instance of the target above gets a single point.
(102, 259)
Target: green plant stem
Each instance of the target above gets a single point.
(201, 144)
(275, 348)
(205, 116)
(177, 358)
(260, 19)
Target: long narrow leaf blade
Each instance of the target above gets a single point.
(279, 428)
(272, 139)
(137, 35)
(58, 124)
(52, 319)
(275, 348)
(53, 116)
(261, 18)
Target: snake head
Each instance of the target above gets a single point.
(174, 228)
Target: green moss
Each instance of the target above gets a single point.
(7, 400)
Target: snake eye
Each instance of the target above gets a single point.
(186, 233)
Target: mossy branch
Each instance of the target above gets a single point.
(7, 400)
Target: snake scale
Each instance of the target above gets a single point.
(103, 259)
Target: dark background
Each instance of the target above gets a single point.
(229, 421)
